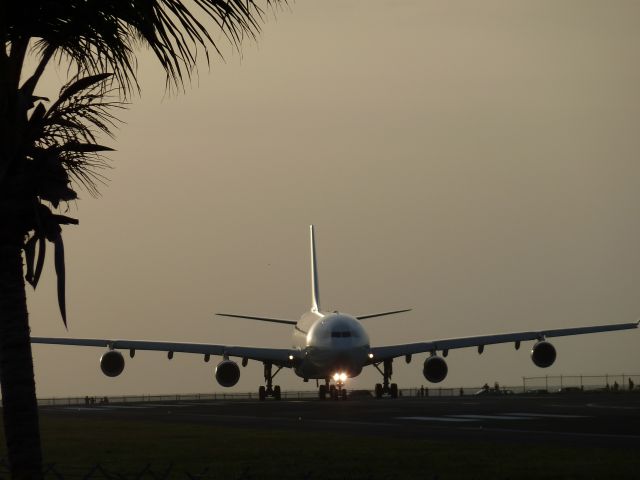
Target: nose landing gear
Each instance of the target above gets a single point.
(269, 390)
(386, 387)
(335, 392)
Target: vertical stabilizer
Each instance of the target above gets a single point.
(315, 295)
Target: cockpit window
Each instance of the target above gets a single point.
(338, 334)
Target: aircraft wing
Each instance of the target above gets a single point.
(277, 356)
(392, 351)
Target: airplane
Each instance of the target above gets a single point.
(330, 346)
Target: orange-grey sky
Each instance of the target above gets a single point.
(477, 161)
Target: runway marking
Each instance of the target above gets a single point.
(477, 418)
(548, 415)
(229, 417)
(79, 409)
(618, 407)
(438, 419)
(98, 408)
(118, 407)
(492, 417)
(348, 422)
(289, 419)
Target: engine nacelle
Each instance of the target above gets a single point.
(543, 354)
(435, 369)
(112, 363)
(227, 373)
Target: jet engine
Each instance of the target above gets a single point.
(227, 373)
(543, 354)
(435, 369)
(112, 363)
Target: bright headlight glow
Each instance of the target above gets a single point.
(371, 355)
(339, 376)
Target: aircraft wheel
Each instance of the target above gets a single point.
(322, 392)
(262, 393)
(378, 390)
(343, 394)
(276, 392)
(393, 391)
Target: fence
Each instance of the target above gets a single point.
(182, 397)
(286, 395)
(551, 383)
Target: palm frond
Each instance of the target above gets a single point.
(60, 143)
(100, 35)
(45, 148)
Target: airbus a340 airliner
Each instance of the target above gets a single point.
(329, 346)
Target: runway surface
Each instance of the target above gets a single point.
(602, 419)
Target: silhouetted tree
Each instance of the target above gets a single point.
(44, 145)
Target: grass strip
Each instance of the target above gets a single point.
(75, 445)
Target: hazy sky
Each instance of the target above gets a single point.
(476, 161)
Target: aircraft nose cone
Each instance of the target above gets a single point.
(347, 362)
(343, 360)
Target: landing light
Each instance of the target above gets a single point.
(290, 357)
(340, 376)
(371, 355)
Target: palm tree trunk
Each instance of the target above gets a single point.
(19, 405)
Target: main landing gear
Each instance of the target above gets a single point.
(335, 392)
(269, 390)
(386, 388)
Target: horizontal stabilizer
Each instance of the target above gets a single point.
(262, 319)
(372, 315)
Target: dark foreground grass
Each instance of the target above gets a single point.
(76, 444)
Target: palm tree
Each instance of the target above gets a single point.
(45, 145)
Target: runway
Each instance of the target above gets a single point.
(598, 419)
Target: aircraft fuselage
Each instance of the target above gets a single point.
(330, 343)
